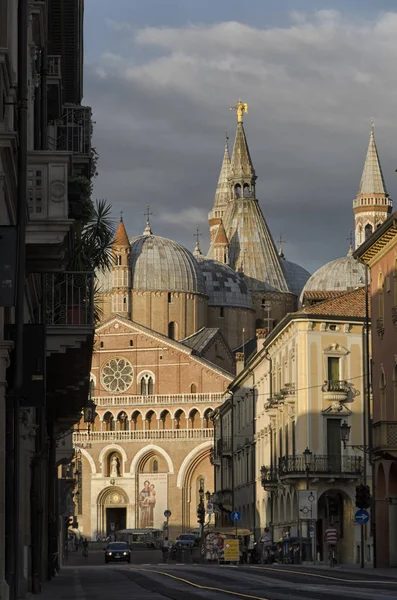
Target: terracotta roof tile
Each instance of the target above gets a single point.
(121, 237)
(348, 304)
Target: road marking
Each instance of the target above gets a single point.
(78, 588)
(322, 576)
(205, 587)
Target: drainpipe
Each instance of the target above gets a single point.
(22, 108)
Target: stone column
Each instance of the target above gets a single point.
(5, 348)
(392, 529)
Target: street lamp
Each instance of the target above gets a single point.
(308, 461)
(208, 495)
(345, 433)
(201, 515)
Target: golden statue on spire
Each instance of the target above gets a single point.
(241, 108)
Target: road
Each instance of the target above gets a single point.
(146, 578)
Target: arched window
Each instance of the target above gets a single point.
(118, 260)
(109, 422)
(172, 330)
(382, 388)
(221, 312)
(246, 190)
(237, 190)
(381, 289)
(169, 297)
(146, 385)
(122, 421)
(368, 231)
(155, 466)
(193, 388)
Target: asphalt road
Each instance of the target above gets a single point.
(148, 579)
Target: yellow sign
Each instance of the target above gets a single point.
(232, 552)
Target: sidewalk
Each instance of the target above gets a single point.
(390, 572)
(65, 586)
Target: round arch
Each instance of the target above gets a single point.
(111, 489)
(114, 448)
(150, 448)
(146, 372)
(107, 412)
(90, 460)
(188, 459)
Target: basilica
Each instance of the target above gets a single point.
(174, 327)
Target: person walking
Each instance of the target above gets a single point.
(331, 538)
(165, 548)
(85, 548)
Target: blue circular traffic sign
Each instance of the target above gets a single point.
(167, 513)
(235, 516)
(362, 516)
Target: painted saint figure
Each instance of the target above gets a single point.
(144, 505)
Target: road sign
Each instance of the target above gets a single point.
(232, 550)
(167, 514)
(362, 516)
(307, 505)
(235, 516)
(210, 508)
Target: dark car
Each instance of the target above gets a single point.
(186, 540)
(117, 552)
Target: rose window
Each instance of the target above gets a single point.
(117, 375)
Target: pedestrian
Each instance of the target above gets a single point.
(85, 548)
(165, 548)
(331, 538)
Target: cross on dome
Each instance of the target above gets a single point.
(147, 214)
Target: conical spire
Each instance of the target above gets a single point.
(222, 193)
(221, 237)
(121, 237)
(241, 166)
(372, 181)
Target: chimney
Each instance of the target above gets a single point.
(240, 362)
(260, 337)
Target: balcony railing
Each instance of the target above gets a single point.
(70, 299)
(269, 477)
(72, 131)
(320, 465)
(336, 386)
(380, 326)
(54, 66)
(141, 435)
(224, 447)
(106, 401)
(223, 497)
(394, 314)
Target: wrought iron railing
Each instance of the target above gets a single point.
(333, 385)
(70, 298)
(269, 476)
(72, 131)
(224, 446)
(54, 66)
(224, 497)
(296, 465)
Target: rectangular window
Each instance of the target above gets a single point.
(334, 447)
(333, 368)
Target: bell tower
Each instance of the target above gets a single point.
(121, 296)
(372, 205)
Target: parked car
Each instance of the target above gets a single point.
(186, 540)
(117, 552)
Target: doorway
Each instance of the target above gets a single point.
(116, 519)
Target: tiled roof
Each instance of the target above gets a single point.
(221, 237)
(349, 304)
(201, 339)
(322, 294)
(223, 286)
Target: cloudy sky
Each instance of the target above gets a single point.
(162, 74)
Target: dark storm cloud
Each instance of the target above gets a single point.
(312, 88)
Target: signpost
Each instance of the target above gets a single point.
(307, 500)
(235, 517)
(167, 514)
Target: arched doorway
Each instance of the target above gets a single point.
(197, 471)
(112, 506)
(382, 520)
(336, 507)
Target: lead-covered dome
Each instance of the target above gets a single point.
(224, 287)
(342, 274)
(158, 263)
(295, 275)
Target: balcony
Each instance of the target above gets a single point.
(380, 326)
(72, 131)
(335, 390)
(224, 447)
(161, 399)
(385, 437)
(394, 315)
(321, 466)
(48, 229)
(224, 499)
(269, 478)
(53, 67)
(81, 438)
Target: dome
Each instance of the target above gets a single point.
(161, 264)
(224, 287)
(295, 275)
(340, 275)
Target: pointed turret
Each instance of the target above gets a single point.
(221, 245)
(222, 193)
(121, 273)
(121, 237)
(372, 204)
